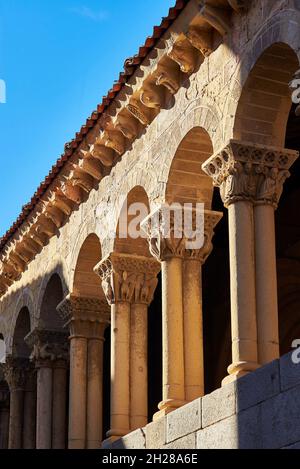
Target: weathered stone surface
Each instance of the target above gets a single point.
(280, 419)
(187, 442)
(219, 405)
(183, 421)
(156, 434)
(258, 387)
(289, 372)
(135, 440)
(240, 431)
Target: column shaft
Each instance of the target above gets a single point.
(16, 418)
(95, 393)
(78, 393)
(29, 427)
(59, 414)
(138, 366)
(44, 408)
(193, 330)
(4, 427)
(266, 284)
(173, 354)
(242, 279)
(120, 356)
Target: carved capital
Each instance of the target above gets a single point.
(249, 172)
(127, 278)
(48, 346)
(168, 232)
(16, 372)
(211, 219)
(86, 317)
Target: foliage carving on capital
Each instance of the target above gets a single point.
(249, 172)
(127, 278)
(48, 346)
(16, 371)
(211, 219)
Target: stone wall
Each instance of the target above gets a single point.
(259, 411)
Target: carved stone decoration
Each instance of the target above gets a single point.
(46, 227)
(153, 96)
(240, 6)
(115, 140)
(127, 278)
(84, 316)
(166, 237)
(218, 18)
(185, 55)
(169, 77)
(92, 167)
(71, 192)
(47, 346)
(201, 40)
(4, 394)
(104, 154)
(62, 203)
(128, 126)
(211, 219)
(139, 111)
(249, 172)
(83, 180)
(55, 215)
(16, 372)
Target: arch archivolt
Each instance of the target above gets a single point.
(25, 299)
(283, 28)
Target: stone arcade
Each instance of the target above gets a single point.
(143, 343)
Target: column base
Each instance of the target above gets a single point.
(168, 406)
(238, 370)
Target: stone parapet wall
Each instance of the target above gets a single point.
(259, 411)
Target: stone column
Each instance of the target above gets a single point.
(192, 309)
(231, 170)
(4, 413)
(129, 283)
(272, 169)
(87, 319)
(29, 426)
(15, 371)
(168, 248)
(59, 404)
(50, 347)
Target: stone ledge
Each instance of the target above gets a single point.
(183, 421)
(257, 387)
(156, 434)
(187, 442)
(219, 405)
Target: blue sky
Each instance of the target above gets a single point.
(58, 58)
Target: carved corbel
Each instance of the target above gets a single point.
(218, 18)
(55, 215)
(71, 192)
(17, 263)
(31, 246)
(46, 226)
(153, 96)
(83, 180)
(128, 126)
(92, 167)
(104, 154)
(115, 140)
(139, 111)
(62, 203)
(185, 55)
(201, 40)
(23, 253)
(169, 77)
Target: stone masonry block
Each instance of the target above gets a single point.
(183, 421)
(289, 372)
(258, 386)
(187, 442)
(134, 440)
(280, 419)
(156, 434)
(219, 405)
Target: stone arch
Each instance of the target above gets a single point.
(24, 301)
(22, 328)
(56, 266)
(135, 207)
(85, 282)
(204, 117)
(279, 35)
(187, 183)
(53, 295)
